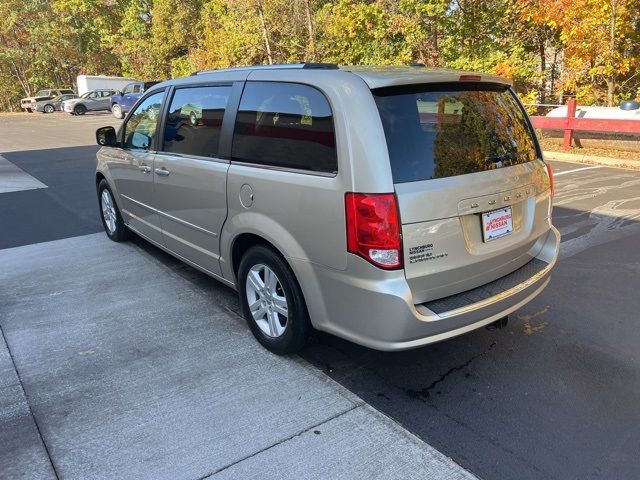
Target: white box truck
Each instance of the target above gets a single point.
(95, 82)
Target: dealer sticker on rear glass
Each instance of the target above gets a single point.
(497, 223)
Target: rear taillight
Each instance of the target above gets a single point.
(550, 174)
(373, 228)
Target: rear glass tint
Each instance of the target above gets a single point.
(446, 130)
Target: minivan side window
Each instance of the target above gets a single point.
(140, 129)
(194, 120)
(285, 125)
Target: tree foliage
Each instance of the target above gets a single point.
(549, 48)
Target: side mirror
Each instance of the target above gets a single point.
(106, 137)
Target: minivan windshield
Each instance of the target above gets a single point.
(443, 130)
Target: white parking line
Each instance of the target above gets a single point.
(575, 170)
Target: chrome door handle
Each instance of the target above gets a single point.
(144, 168)
(163, 172)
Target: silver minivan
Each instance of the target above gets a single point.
(390, 206)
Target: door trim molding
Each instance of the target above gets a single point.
(170, 217)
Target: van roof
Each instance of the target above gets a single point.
(381, 76)
(389, 76)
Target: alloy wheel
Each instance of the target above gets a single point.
(108, 211)
(267, 300)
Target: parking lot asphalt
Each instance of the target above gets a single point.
(58, 150)
(555, 394)
(38, 131)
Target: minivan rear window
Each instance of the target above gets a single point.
(443, 130)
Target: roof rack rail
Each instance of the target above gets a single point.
(280, 66)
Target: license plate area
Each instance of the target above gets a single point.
(496, 224)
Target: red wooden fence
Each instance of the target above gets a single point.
(570, 124)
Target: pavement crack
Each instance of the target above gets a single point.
(424, 393)
(284, 440)
(26, 399)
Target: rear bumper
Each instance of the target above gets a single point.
(379, 312)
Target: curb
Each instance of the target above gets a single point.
(592, 160)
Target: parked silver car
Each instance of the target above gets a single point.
(91, 101)
(53, 104)
(393, 207)
(28, 103)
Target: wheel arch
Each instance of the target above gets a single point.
(246, 229)
(242, 242)
(99, 176)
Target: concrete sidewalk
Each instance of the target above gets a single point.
(592, 160)
(133, 370)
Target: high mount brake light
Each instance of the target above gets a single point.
(470, 78)
(373, 228)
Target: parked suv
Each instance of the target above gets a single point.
(393, 207)
(91, 101)
(28, 104)
(122, 102)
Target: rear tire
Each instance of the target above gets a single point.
(80, 110)
(271, 300)
(112, 221)
(117, 111)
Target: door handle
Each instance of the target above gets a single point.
(144, 168)
(163, 172)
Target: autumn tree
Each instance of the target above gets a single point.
(600, 38)
(588, 48)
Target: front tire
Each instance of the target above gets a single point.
(49, 108)
(112, 221)
(117, 111)
(272, 302)
(80, 110)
